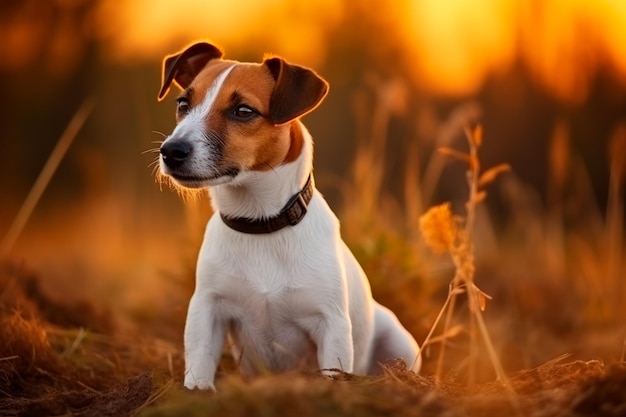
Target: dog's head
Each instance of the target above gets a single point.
(234, 117)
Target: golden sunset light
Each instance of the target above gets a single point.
(456, 44)
(144, 28)
(452, 45)
(566, 42)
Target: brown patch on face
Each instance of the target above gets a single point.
(253, 144)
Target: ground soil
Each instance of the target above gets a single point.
(51, 366)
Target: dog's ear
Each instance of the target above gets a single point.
(182, 68)
(298, 90)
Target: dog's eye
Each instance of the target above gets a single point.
(244, 112)
(183, 105)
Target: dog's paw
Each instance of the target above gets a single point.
(334, 373)
(330, 372)
(192, 383)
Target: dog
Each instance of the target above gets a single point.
(273, 276)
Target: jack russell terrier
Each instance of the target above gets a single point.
(273, 274)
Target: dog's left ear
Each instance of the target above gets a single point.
(298, 90)
(182, 68)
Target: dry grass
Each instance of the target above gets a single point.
(49, 366)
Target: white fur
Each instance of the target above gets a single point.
(290, 299)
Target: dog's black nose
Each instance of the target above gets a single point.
(175, 152)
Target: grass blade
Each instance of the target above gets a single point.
(48, 170)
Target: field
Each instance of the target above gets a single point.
(542, 336)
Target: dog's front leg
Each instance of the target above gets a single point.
(335, 348)
(204, 341)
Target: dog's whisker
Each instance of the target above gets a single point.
(159, 133)
(151, 150)
(159, 178)
(271, 168)
(212, 137)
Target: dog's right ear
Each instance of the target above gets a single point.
(183, 67)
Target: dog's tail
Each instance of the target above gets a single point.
(391, 342)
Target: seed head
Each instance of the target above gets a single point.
(439, 228)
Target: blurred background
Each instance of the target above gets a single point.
(546, 79)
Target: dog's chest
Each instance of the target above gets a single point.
(267, 295)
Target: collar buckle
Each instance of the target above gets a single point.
(295, 209)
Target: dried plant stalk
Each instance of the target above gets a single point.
(441, 232)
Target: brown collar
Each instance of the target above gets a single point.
(289, 215)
